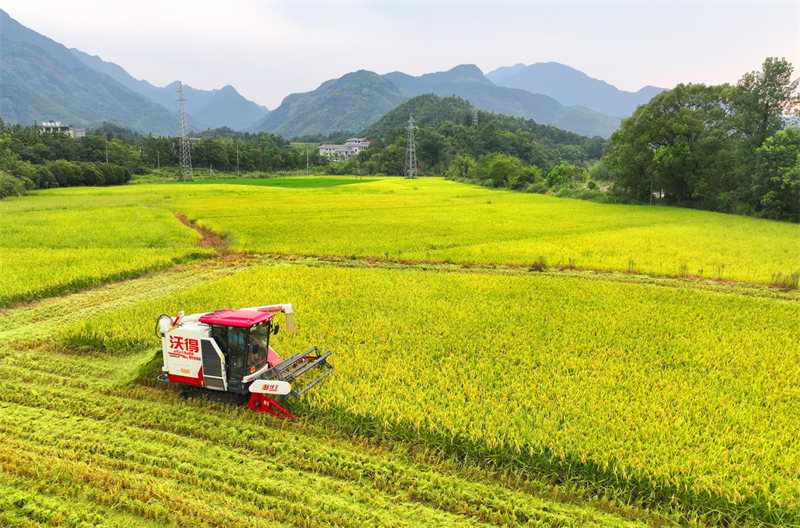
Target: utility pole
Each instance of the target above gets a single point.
(306, 160)
(158, 160)
(411, 151)
(106, 135)
(186, 154)
(237, 158)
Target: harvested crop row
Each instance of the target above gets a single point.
(156, 457)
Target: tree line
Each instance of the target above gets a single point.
(110, 154)
(722, 148)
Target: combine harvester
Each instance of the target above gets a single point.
(227, 352)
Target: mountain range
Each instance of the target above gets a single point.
(572, 87)
(468, 82)
(204, 108)
(41, 79)
(356, 100)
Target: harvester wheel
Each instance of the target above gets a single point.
(227, 398)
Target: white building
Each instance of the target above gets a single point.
(56, 126)
(344, 152)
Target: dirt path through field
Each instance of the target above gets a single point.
(209, 239)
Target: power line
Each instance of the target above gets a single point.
(411, 151)
(186, 154)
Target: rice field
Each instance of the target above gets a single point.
(423, 220)
(654, 391)
(463, 395)
(93, 441)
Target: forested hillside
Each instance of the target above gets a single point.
(349, 103)
(501, 151)
(41, 80)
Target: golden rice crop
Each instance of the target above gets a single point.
(440, 221)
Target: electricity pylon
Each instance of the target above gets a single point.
(186, 153)
(411, 151)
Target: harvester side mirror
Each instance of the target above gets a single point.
(276, 329)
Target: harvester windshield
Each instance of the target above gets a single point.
(257, 347)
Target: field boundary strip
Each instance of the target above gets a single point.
(699, 283)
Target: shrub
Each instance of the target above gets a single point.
(11, 185)
(566, 176)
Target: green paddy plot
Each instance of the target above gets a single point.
(290, 182)
(55, 244)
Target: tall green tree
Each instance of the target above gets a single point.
(776, 178)
(762, 98)
(675, 147)
(761, 101)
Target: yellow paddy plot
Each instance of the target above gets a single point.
(653, 392)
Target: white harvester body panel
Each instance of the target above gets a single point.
(183, 351)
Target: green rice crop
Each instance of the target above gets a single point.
(51, 245)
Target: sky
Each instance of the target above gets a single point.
(268, 50)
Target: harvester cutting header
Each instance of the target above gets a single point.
(228, 352)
